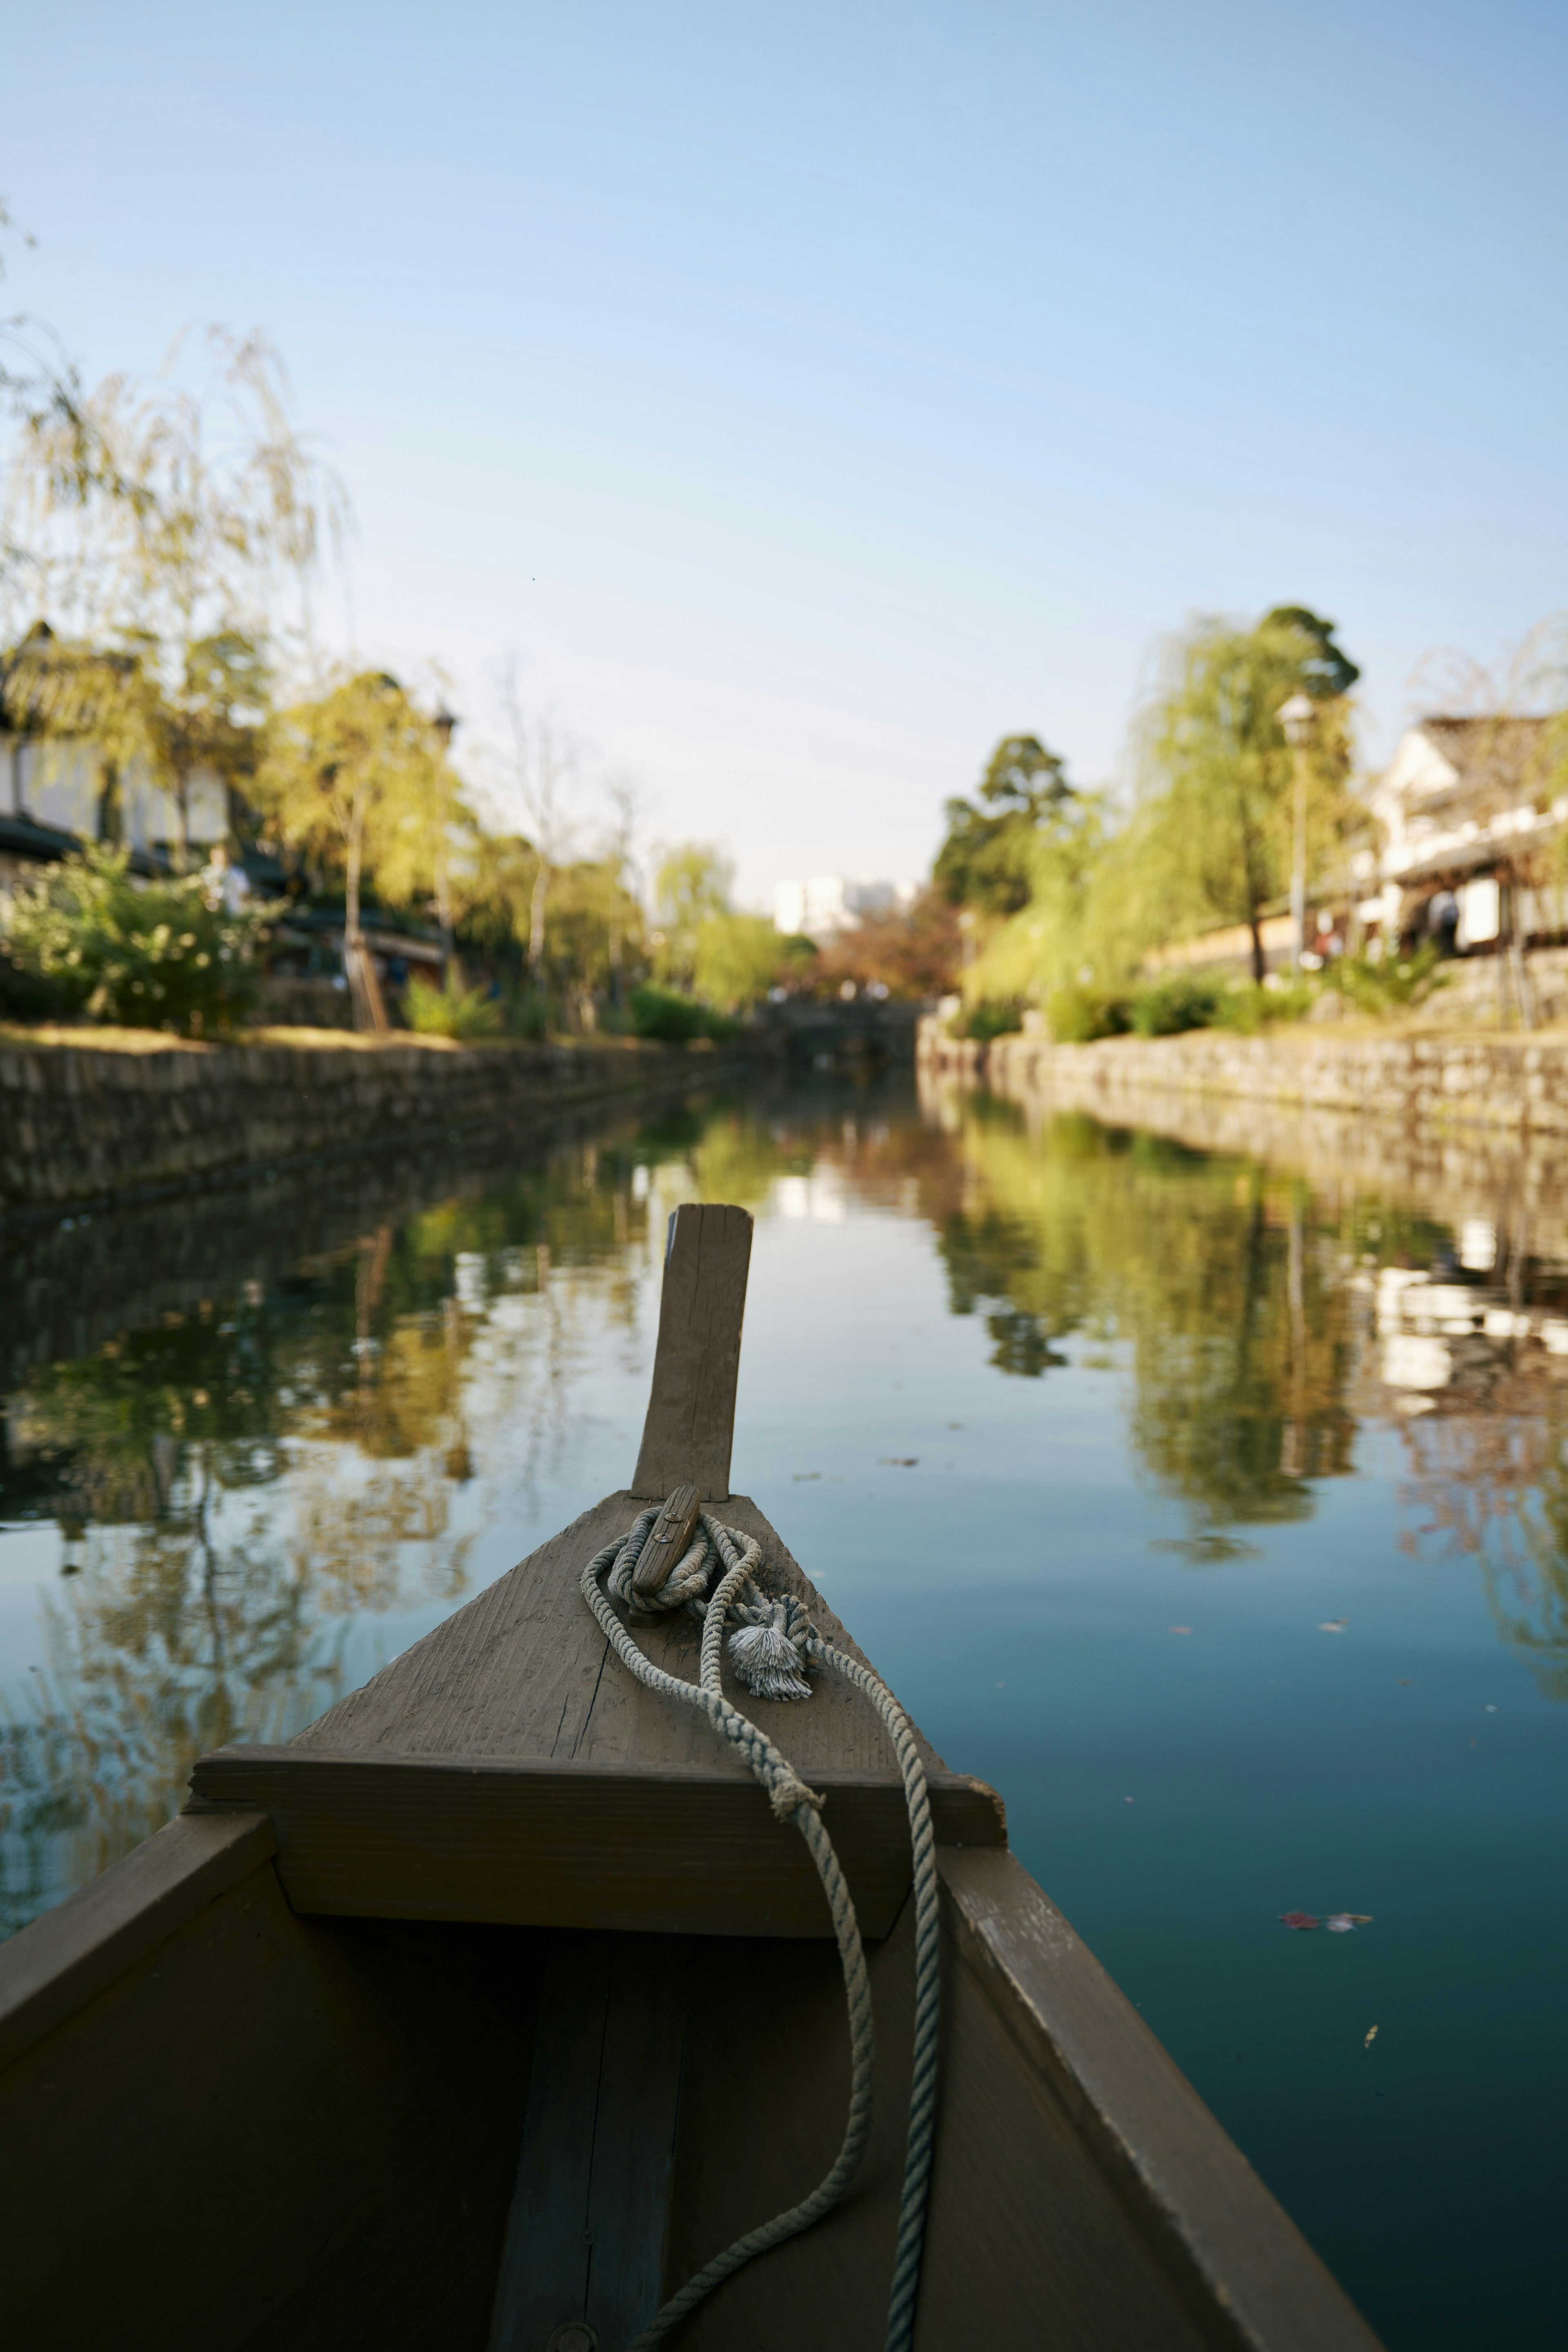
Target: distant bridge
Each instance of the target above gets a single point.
(836, 1032)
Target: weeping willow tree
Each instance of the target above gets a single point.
(1212, 840)
(1208, 841)
(173, 532)
(357, 779)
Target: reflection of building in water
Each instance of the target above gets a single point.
(1477, 1372)
(1441, 1337)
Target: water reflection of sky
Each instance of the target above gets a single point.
(1220, 1519)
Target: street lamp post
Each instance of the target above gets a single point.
(445, 726)
(1298, 717)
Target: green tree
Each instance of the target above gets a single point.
(692, 886)
(179, 528)
(737, 959)
(987, 856)
(1211, 843)
(352, 778)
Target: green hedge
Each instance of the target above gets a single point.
(675, 1019)
(86, 938)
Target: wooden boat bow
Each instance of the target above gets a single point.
(457, 1993)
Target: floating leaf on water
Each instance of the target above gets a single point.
(1210, 1549)
(1371, 2038)
(1298, 1920)
(1334, 1624)
(900, 1461)
(1341, 1923)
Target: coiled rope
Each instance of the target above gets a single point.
(771, 1646)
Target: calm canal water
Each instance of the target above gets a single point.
(1220, 1520)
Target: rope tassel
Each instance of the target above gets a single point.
(767, 1661)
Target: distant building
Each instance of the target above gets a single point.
(1464, 804)
(829, 904)
(55, 788)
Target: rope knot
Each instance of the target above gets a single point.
(787, 1792)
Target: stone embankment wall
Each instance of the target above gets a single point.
(82, 1122)
(1513, 1085)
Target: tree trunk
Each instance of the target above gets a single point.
(536, 921)
(452, 975)
(1259, 966)
(110, 808)
(364, 981)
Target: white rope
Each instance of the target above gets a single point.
(770, 1648)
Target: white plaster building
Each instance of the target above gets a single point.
(1462, 801)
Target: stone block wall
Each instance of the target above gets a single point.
(81, 1122)
(1510, 1084)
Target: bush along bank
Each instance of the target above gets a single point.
(1176, 1001)
(90, 1120)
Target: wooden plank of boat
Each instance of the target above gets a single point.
(683, 1849)
(447, 2134)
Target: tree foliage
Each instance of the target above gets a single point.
(159, 957)
(175, 531)
(987, 856)
(1214, 832)
(692, 886)
(912, 951)
(356, 776)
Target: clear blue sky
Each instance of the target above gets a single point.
(813, 394)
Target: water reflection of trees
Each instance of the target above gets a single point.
(237, 1483)
(1218, 1281)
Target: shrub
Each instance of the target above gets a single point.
(1394, 982)
(993, 1017)
(1182, 1000)
(1246, 1007)
(91, 940)
(675, 1019)
(1078, 1014)
(525, 1013)
(450, 1011)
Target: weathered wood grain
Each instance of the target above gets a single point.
(634, 2132)
(524, 1671)
(691, 1411)
(689, 1848)
(544, 2277)
(667, 1539)
(589, 2218)
(58, 1963)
